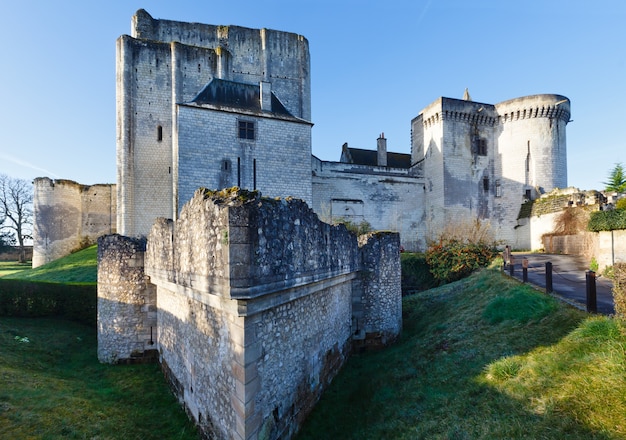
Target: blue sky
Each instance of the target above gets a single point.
(375, 65)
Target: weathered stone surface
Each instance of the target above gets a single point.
(127, 314)
(253, 324)
(68, 216)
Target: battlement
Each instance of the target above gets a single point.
(534, 106)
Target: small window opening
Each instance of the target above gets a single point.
(481, 147)
(486, 183)
(239, 172)
(498, 189)
(254, 174)
(527, 194)
(246, 130)
(159, 133)
(225, 165)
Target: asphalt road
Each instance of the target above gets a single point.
(568, 278)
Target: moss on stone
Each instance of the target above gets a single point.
(230, 196)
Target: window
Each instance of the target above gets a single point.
(486, 183)
(481, 147)
(246, 130)
(159, 133)
(498, 189)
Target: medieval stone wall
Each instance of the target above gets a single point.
(387, 198)
(255, 302)
(127, 315)
(250, 164)
(68, 216)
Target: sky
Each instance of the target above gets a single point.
(374, 66)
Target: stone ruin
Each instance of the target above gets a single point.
(252, 305)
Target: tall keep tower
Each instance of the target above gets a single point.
(204, 105)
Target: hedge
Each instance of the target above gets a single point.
(77, 302)
(607, 220)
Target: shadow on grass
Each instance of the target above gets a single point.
(52, 386)
(431, 384)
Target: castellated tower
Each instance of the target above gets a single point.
(482, 161)
(204, 105)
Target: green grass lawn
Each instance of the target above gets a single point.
(79, 267)
(52, 386)
(483, 358)
(11, 267)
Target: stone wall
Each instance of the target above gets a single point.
(13, 254)
(126, 301)
(68, 216)
(390, 199)
(381, 315)
(606, 247)
(251, 164)
(256, 302)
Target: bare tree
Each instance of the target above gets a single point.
(16, 210)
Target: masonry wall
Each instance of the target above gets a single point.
(254, 300)
(127, 317)
(211, 155)
(389, 199)
(380, 320)
(68, 216)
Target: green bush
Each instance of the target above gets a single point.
(416, 274)
(619, 289)
(607, 220)
(77, 302)
(621, 204)
(452, 260)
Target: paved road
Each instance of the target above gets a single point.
(568, 278)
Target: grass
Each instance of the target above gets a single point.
(79, 267)
(11, 267)
(483, 358)
(52, 386)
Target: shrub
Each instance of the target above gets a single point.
(416, 274)
(77, 302)
(607, 220)
(619, 289)
(357, 228)
(621, 204)
(453, 259)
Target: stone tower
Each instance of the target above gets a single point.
(204, 105)
(482, 161)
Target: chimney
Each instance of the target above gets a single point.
(266, 96)
(382, 150)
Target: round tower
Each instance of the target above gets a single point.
(531, 143)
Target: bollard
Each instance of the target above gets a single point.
(525, 270)
(511, 265)
(548, 277)
(592, 306)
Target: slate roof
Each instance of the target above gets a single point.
(222, 93)
(358, 156)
